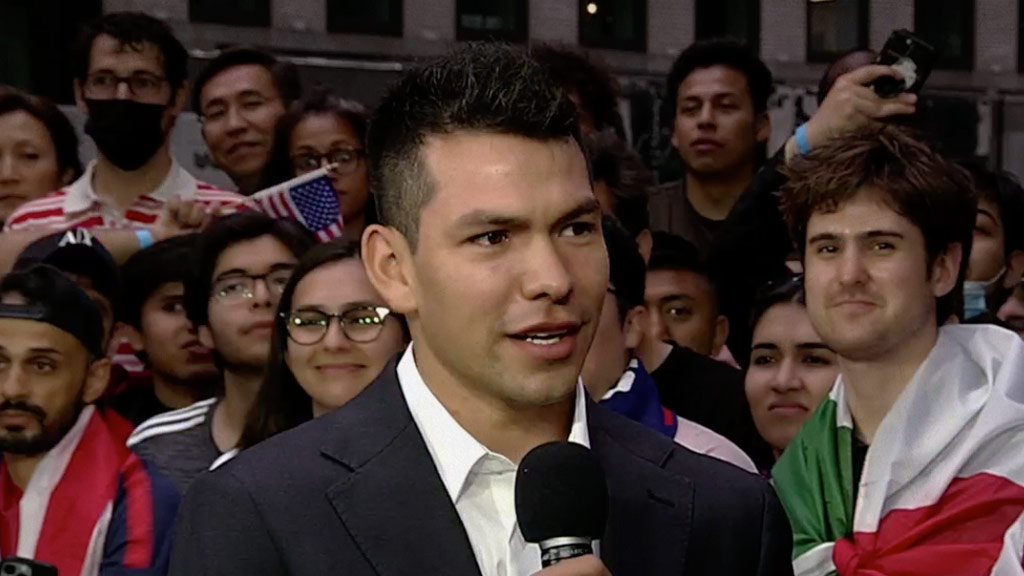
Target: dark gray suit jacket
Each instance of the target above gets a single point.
(356, 493)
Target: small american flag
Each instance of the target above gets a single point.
(310, 199)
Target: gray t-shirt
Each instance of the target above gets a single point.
(179, 443)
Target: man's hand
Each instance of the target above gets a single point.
(588, 565)
(181, 217)
(853, 104)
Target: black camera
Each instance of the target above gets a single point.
(910, 55)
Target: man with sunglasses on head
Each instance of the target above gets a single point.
(242, 264)
(130, 82)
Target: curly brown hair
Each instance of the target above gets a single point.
(934, 193)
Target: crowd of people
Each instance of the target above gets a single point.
(801, 362)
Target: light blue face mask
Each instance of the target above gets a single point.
(976, 295)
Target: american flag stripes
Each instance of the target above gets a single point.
(309, 198)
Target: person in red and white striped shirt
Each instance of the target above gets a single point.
(130, 80)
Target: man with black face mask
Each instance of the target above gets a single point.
(130, 80)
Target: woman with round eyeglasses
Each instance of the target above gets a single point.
(333, 336)
(326, 131)
(791, 369)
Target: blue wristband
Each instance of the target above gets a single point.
(802, 145)
(145, 238)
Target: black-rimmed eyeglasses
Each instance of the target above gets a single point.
(361, 324)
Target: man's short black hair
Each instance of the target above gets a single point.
(722, 52)
(627, 273)
(485, 87)
(227, 232)
(626, 176)
(1004, 190)
(672, 252)
(131, 29)
(597, 89)
(148, 270)
(285, 75)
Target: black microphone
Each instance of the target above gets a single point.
(561, 500)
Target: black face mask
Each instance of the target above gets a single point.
(127, 133)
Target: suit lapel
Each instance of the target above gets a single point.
(650, 511)
(391, 498)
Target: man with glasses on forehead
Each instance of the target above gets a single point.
(242, 264)
(130, 82)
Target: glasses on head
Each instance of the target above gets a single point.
(362, 324)
(343, 160)
(103, 85)
(243, 286)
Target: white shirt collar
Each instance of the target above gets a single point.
(177, 183)
(455, 452)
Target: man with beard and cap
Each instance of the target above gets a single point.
(130, 81)
(71, 494)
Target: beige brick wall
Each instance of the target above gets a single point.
(889, 15)
(554, 21)
(783, 31)
(670, 26)
(995, 50)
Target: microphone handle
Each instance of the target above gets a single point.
(554, 550)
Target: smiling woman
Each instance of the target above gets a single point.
(38, 149)
(333, 335)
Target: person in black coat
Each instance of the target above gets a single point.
(491, 246)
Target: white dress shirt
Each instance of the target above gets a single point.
(480, 483)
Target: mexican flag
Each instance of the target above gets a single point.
(942, 490)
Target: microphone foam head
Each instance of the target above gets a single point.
(561, 491)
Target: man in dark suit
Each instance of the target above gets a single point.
(491, 247)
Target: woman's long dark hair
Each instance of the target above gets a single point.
(786, 289)
(281, 403)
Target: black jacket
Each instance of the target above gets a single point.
(356, 492)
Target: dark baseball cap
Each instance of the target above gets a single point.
(76, 251)
(52, 297)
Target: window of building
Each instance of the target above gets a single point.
(504, 20)
(36, 38)
(835, 27)
(379, 17)
(230, 12)
(949, 26)
(614, 24)
(738, 19)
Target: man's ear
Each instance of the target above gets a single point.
(762, 127)
(645, 242)
(205, 336)
(181, 98)
(96, 380)
(635, 327)
(721, 335)
(387, 258)
(946, 270)
(1014, 269)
